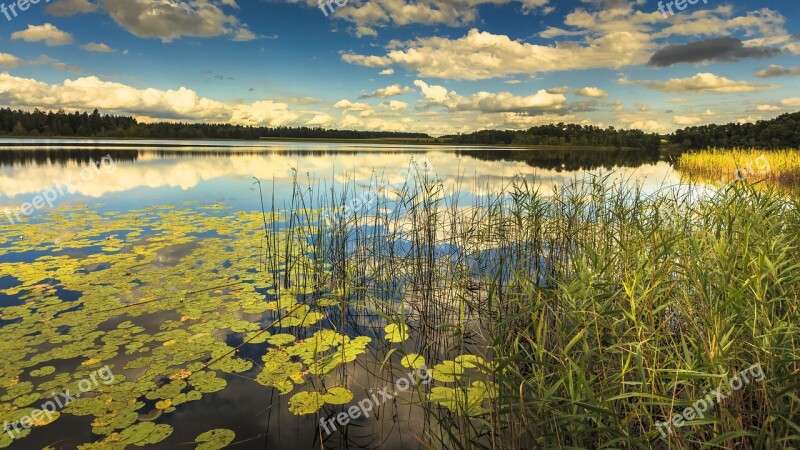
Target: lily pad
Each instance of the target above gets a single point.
(396, 333)
(214, 439)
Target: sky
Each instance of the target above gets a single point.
(431, 66)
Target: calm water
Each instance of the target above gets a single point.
(215, 180)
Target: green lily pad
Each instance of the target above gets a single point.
(413, 361)
(338, 396)
(305, 402)
(396, 333)
(214, 439)
(447, 371)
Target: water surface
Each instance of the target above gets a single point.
(163, 245)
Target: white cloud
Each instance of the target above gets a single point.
(558, 90)
(169, 20)
(347, 105)
(373, 123)
(791, 102)
(395, 105)
(768, 108)
(490, 102)
(98, 47)
(320, 120)
(90, 92)
(371, 13)
(686, 120)
(481, 55)
(647, 125)
(47, 33)
(71, 7)
(8, 60)
(388, 91)
(618, 35)
(593, 92)
(702, 82)
(388, 71)
(362, 31)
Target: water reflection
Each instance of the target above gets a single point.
(28, 171)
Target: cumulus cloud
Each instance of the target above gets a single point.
(686, 120)
(725, 49)
(775, 70)
(482, 55)
(9, 60)
(347, 105)
(394, 105)
(593, 92)
(182, 103)
(702, 82)
(490, 102)
(320, 120)
(71, 7)
(47, 33)
(558, 90)
(169, 20)
(388, 91)
(98, 47)
(615, 37)
(380, 13)
(791, 102)
(374, 123)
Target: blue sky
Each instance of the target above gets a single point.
(435, 66)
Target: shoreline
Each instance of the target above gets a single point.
(89, 142)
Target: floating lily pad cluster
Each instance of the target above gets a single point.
(469, 384)
(153, 294)
(291, 362)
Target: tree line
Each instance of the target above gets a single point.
(780, 132)
(562, 135)
(39, 123)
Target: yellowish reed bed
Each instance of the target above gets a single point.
(781, 167)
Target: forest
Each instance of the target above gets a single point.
(61, 124)
(779, 133)
(562, 135)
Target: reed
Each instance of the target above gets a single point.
(600, 311)
(727, 166)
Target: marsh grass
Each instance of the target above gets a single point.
(778, 167)
(599, 310)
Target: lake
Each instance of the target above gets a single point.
(150, 260)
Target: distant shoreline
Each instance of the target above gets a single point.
(88, 142)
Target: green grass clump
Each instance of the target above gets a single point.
(726, 166)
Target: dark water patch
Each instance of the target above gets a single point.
(6, 300)
(171, 256)
(26, 256)
(66, 311)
